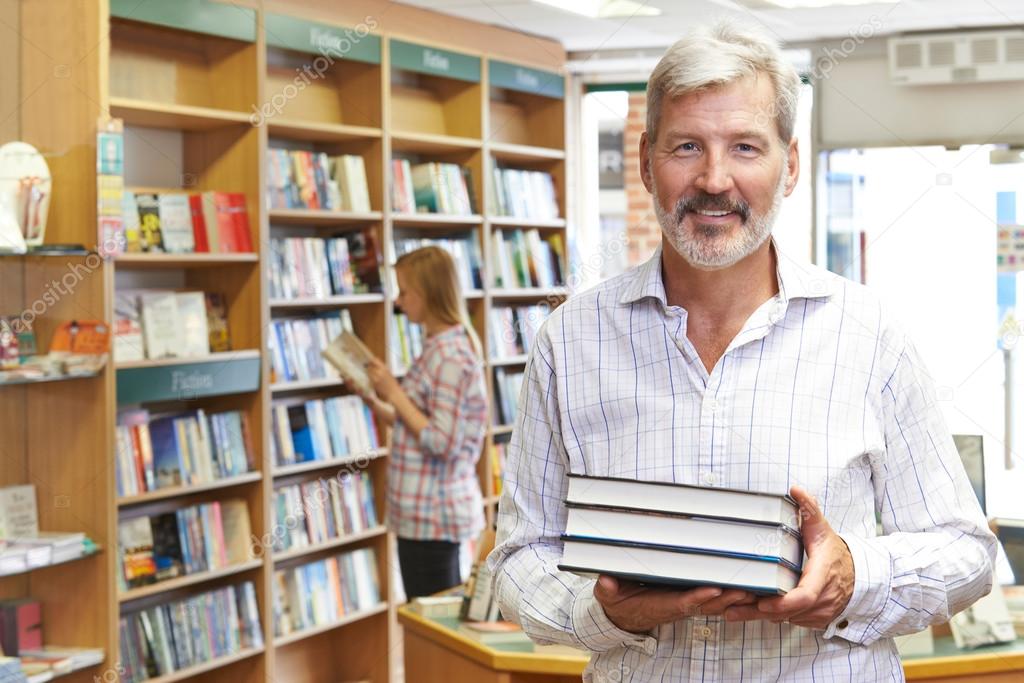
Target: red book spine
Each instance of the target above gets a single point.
(240, 216)
(195, 203)
(226, 231)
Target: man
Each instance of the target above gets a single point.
(723, 362)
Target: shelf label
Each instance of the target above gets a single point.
(187, 381)
(434, 61)
(525, 79)
(198, 16)
(331, 42)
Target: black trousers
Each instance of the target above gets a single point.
(428, 567)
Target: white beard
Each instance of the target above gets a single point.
(707, 247)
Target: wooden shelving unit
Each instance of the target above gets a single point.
(205, 90)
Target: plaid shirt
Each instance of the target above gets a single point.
(819, 389)
(433, 490)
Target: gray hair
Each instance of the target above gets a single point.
(719, 54)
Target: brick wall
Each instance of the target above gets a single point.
(641, 224)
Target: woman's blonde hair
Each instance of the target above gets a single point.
(431, 272)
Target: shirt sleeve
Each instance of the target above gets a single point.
(453, 409)
(936, 553)
(552, 606)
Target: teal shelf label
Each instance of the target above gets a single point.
(434, 61)
(525, 79)
(200, 16)
(332, 42)
(188, 381)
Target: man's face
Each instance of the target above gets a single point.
(718, 171)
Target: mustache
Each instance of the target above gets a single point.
(702, 201)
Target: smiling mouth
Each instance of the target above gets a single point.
(705, 216)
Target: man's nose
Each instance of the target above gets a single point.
(715, 176)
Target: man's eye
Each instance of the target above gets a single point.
(744, 147)
(687, 147)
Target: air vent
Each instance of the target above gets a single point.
(908, 55)
(941, 53)
(965, 74)
(1015, 49)
(985, 51)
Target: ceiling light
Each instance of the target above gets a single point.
(604, 9)
(805, 4)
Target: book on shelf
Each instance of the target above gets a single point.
(297, 345)
(323, 592)
(512, 329)
(408, 341)
(432, 187)
(155, 324)
(524, 194)
(180, 449)
(680, 535)
(465, 252)
(186, 223)
(192, 539)
(479, 603)
(507, 384)
(301, 179)
(50, 661)
(498, 455)
(21, 625)
(19, 516)
(317, 511)
(176, 635)
(522, 258)
(350, 357)
(45, 548)
(310, 267)
(321, 430)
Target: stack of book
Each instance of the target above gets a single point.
(50, 661)
(524, 194)
(321, 430)
(310, 267)
(22, 545)
(408, 344)
(166, 638)
(156, 324)
(521, 258)
(180, 223)
(512, 329)
(507, 384)
(199, 538)
(299, 179)
(465, 251)
(317, 511)
(182, 449)
(296, 345)
(682, 536)
(323, 592)
(432, 187)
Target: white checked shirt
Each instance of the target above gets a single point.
(818, 389)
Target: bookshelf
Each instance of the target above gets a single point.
(207, 92)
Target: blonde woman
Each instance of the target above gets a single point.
(439, 414)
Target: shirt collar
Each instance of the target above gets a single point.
(797, 279)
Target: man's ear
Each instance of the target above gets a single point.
(793, 155)
(645, 162)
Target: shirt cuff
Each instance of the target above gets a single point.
(431, 441)
(872, 566)
(596, 631)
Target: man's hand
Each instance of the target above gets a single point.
(639, 609)
(827, 581)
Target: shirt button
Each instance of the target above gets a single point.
(713, 405)
(710, 478)
(843, 624)
(705, 631)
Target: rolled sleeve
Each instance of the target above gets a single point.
(871, 585)
(596, 631)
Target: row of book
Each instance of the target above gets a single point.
(296, 345)
(321, 430)
(521, 258)
(524, 194)
(192, 539)
(317, 511)
(48, 662)
(465, 252)
(310, 267)
(158, 324)
(177, 635)
(407, 341)
(300, 179)
(432, 187)
(323, 592)
(512, 329)
(507, 384)
(183, 449)
(672, 534)
(179, 223)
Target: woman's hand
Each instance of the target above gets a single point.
(384, 383)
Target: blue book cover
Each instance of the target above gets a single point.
(302, 435)
(166, 458)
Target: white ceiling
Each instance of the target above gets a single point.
(578, 33)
